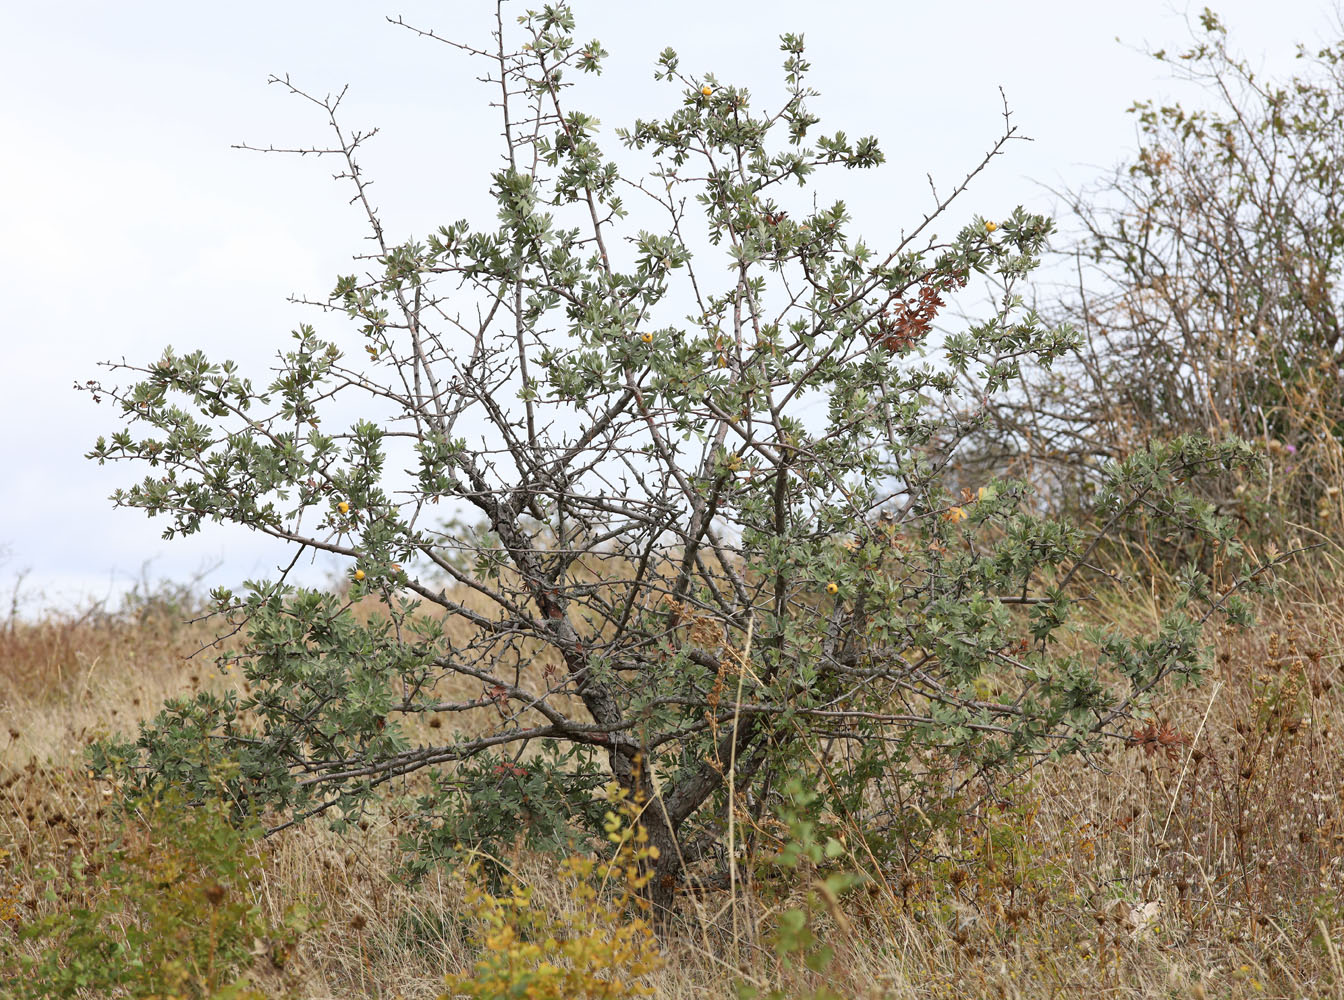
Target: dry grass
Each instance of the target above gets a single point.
(1204, 860)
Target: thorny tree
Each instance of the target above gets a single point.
(672, 510)
(1208, 273)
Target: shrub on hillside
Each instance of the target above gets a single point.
(660, 502)
(1208, 292)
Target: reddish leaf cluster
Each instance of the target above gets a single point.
(905, 321)
(1160, 736)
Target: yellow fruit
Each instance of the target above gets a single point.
(707, 90)
(359, 574)
(646, 337)
(832, 588)
(343, 507)
(991, 226)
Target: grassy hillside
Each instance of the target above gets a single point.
(1201, 860)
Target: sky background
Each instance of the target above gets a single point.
(129, 224)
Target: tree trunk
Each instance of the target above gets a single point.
(666, 869)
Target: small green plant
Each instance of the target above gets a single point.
(999, 874)
(799, 941)
(9, 896)
(166, 908)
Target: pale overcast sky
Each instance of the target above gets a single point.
(128, 222)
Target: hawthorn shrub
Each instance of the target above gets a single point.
(1208, 290)
(665, 506)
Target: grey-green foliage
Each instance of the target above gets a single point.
(674, 499)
